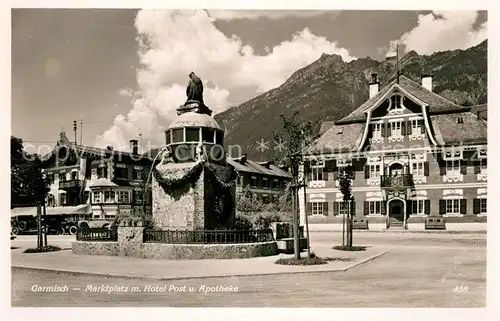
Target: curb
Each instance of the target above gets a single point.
(403, 231)
(155, 278)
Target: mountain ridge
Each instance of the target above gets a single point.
(329, 88)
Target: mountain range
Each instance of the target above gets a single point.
(329, 89)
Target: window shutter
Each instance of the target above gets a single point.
(325, 176)
(335, 208)
(403, 128)
(476, 206)
(389, 133)
(427, 207)
(309, 208)
(382, 130)
(477, 168)
(442, 169)
(426, 168)
(367, 171)
(463, 206)
(309, 176)
(335, 175)
(442, 207)
(325, 208)
(383, 205)
(366, 208)
(463, 167)
(409, 206)
(353, 208)
(422, 127)
(408, 127)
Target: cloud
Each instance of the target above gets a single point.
(270, 14)
(443, 30)
(174, 43)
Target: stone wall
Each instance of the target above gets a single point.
(208, 251)
(95, 248)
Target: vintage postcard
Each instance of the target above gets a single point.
(229, 157)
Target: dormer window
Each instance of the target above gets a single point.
(395, 102)
(460, 120)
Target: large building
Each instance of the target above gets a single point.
(105, 181)
(265, 179)
(414, 154)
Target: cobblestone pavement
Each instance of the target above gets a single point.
(412, 274)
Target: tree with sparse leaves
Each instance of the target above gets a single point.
(295, 136)
(345, 186)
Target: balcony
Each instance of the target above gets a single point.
(71, 184)
(396, 182)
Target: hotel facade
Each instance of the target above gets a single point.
(414, 154)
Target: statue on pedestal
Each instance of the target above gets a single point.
(194, 93)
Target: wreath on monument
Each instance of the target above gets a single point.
(223, 200)
(174, 184)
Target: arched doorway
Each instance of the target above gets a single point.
(396, 209)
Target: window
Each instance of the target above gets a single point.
(418, 207)
(192, 134)
(168, 139)
(74, 175)
(317, 173)
(265, 183)
(121, 173)
(417, 126)
(177, 135)
(343, 208)
(239, 180)
(207, 135)
(276, 183)
(138, 197)
(62, 177)
(63, 198)
(124, 197)
(219, 137)
(253, 181)
(102, 172)
(374, 171)
(396, 102)
(417, 169)
(109, 197)
(374, 207)
(377, 130)
(453, 167)
(97, 197)
(395, 128)
(453, 206)
(482, 205)
(483, 166)
(137, 175)
(317, 208)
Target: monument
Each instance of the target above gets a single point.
(193, 186)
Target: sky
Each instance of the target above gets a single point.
(123, 71)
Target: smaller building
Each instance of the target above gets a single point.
(266, 179)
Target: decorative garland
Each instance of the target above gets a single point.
(211, 170)
(177, 183)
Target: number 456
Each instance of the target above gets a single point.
(461, 289)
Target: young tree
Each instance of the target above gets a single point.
(295, 136)
(345, 186)
(29, 185)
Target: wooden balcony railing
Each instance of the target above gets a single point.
(74, 183)
(396, 182)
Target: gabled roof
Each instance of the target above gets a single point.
(250, 166)
(339, 138)
(92, 150)
(447, 130)
(437, 104)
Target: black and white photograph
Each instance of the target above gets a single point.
(264, 158)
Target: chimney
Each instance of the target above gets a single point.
(243, 158)
(427, 81)
(133, 146)
(374, 85)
